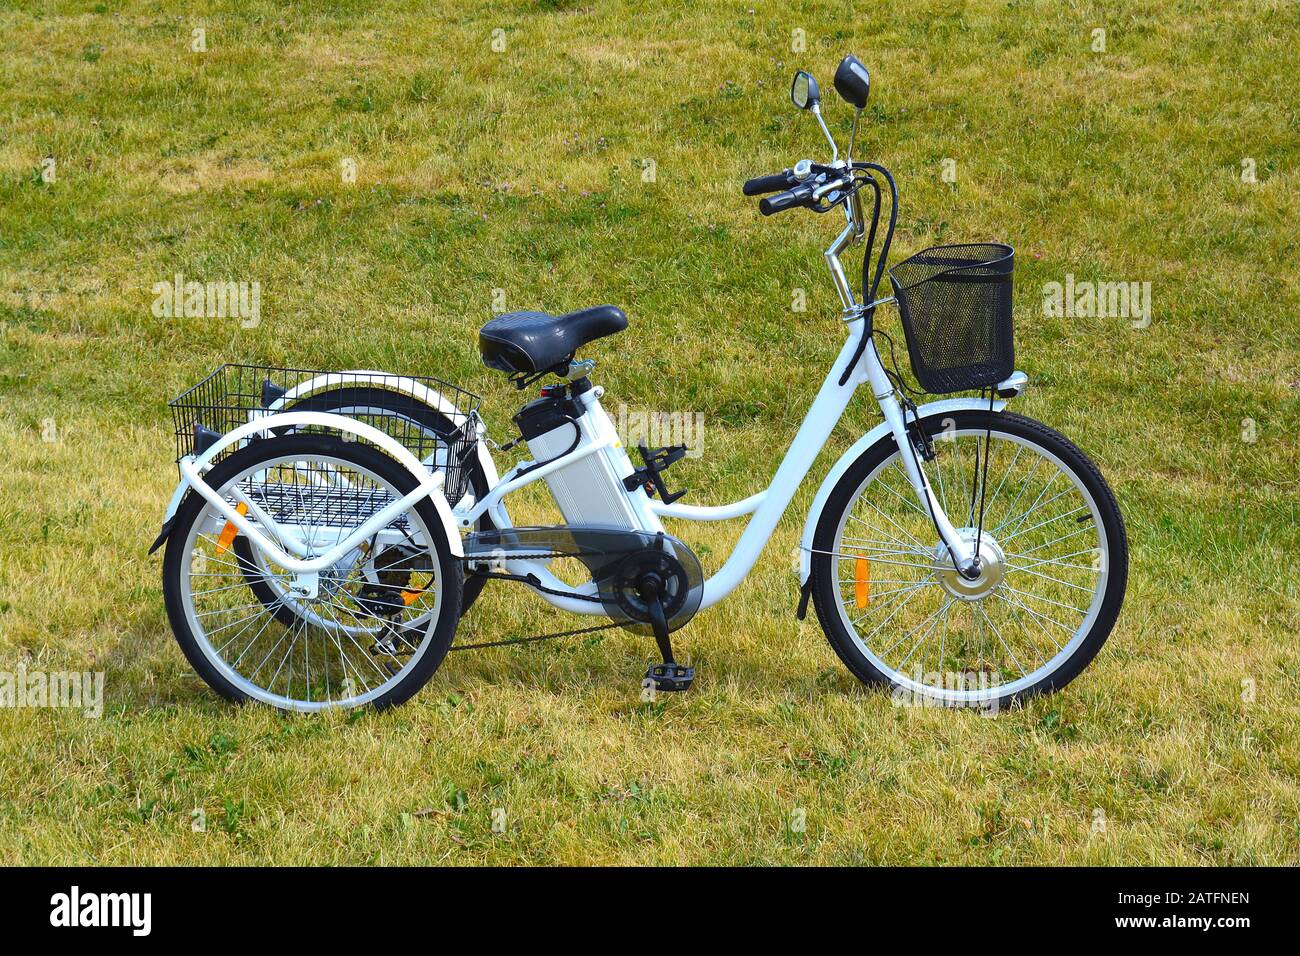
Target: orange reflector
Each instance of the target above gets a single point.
(410, 597)
(229, 531)
(861, 582)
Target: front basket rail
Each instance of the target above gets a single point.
(955, 305)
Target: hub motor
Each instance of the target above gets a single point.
(991, 561)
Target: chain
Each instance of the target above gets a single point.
(537, 585)
(531, 640)
(481, 557)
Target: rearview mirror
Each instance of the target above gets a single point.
(852, 81)
(803, 91)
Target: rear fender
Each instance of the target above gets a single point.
(340, 423)
(399, 383)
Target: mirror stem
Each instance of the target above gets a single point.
(853, 134)
(817, 112)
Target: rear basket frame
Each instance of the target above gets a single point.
(437, 421)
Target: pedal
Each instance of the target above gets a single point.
(670, 677)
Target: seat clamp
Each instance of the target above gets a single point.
(580, 369)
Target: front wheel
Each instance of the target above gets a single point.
(1053, 564)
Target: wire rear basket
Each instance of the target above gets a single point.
(955, 303)
(436, 421)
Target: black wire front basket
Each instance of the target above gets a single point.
(436, 421)
(955, 303)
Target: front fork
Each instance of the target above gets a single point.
(962, 551)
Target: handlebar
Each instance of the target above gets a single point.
(801, 195)
(822, 188)
(800, 187)
(769, 184)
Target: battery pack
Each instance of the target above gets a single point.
(589, 492)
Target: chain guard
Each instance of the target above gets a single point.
(614, 558)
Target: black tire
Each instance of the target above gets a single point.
(426, 416)
(824, 579)
(364, 456)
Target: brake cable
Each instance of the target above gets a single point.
(889, 235)
(984, 478)
(869, 294)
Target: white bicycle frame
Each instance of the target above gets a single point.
(599, 436)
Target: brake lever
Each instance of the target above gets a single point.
(841, 183)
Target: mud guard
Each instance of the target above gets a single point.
(340, 423)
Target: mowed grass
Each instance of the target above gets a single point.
(524, 170)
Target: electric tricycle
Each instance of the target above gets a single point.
(330, 528)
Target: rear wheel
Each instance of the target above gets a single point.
(1054, 564)
(381, 618)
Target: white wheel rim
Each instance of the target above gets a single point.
(329, 627)
(1025, 566)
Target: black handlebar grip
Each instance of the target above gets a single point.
(801, 195)
(768, 184)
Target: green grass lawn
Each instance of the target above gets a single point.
(518, 176)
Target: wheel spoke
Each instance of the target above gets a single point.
(905, 532)
(1039, 597)
(979, 606)
(308, 652)
(1063, 537)
(911, 502)
(1048, 577)
(249, 646)
(1035, 507)
(938, 474)
(893, 596)
(1035, 614)
(344, 660)
(1062, 560)
(901, 564)
(1024, 484)
(1015, 641)
(934, 619)
(902, 604)
(1043, 524)
(1032, 507)
(988, 508)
